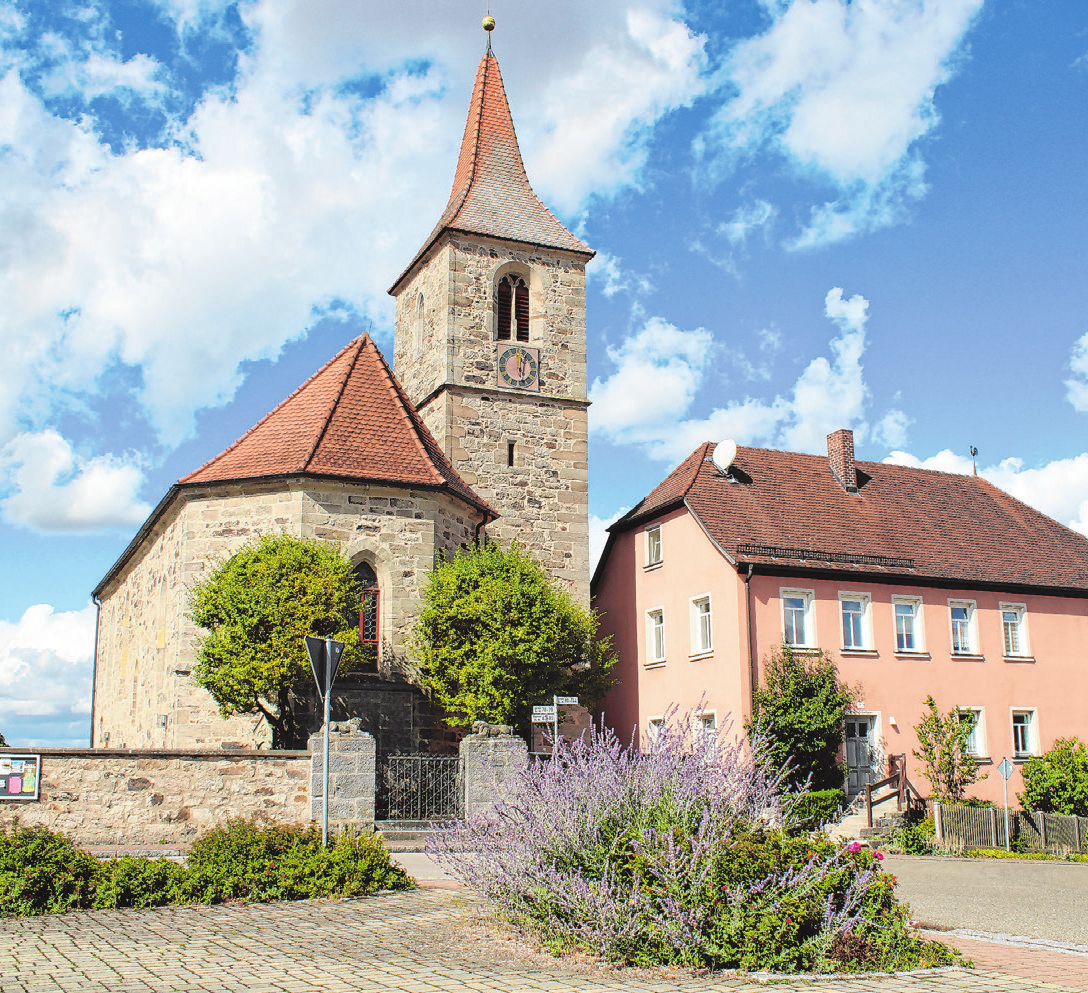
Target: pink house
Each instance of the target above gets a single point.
(915, 582)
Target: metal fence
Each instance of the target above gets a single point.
(419, 788)
(984, 827)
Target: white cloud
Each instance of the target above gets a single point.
(50, 488)
(659, 371)
(843, 90)
(1077, 387)
(46, 661)
(746, 220)
(287, 193)
(608, 270)
(1058, 489)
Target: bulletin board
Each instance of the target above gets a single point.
(20, 776)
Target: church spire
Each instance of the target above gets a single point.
(491, 194)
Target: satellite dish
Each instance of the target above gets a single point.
(724, 453)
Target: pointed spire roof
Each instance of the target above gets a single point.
(350, 420)
(491, 194)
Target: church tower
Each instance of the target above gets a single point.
(491, 342)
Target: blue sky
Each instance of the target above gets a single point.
(809, 214)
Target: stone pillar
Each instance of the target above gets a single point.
(352, 775)
(492, 755)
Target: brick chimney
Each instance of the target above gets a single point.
(840, 458)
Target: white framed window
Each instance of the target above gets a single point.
(1025, 735)
(908, 624)
(798, 623)
(705, 734)
(856, 626)
(654, 728)
(653, 545)
(962, 617)
(702, 633)
(655, 635)
(976, 743)
(1014, 629)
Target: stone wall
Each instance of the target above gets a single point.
(145, 696)
(352, 776)
(148, 798)
(451, 376)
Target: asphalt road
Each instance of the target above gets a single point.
(1047, 900)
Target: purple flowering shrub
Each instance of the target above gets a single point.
(678, 857)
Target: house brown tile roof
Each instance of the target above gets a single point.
(350, 420)
(491, 194)
(787, 509)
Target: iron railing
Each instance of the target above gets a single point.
(419, 788)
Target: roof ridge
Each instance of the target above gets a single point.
(287, 399)
(361, 344)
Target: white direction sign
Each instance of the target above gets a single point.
(545, 708)
(568, 700)
(543, 718)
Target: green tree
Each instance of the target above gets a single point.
(1057, 782)
(946, 759)
(258, 606)
(497, 635)
(802, 705)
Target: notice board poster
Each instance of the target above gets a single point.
(20, 776)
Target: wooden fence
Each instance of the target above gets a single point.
(984, 827)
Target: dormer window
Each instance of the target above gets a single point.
(512, 299)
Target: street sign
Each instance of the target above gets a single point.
(1006, 768)
(543, 718)
(566, 700)
(323, 672)
(546, 708)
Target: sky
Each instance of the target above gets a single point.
(808, 214)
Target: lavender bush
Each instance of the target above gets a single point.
(679, 856)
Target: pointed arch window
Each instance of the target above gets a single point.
(369, 614)
(512, 298)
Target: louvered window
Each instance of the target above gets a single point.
(512, 300)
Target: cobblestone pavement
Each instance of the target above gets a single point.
(425, 941)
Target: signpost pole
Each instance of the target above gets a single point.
(1006, 770)
(325, 764)
(555, 722)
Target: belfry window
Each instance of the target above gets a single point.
(512, 300)
(368, 613)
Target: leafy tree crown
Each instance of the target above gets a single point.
(944, 751)
(1057, 782)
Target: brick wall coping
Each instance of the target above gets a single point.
(161, 753)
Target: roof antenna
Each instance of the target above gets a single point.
(489, 25)
(974, 466)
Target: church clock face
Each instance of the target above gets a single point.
(519, 367)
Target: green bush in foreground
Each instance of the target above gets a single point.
(813, 810)
(42, 872)
(1057, 782)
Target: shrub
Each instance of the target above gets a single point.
(814, 810)
(949, 765)
(669, 858)
(42, 872)
(801, 706)
(1057, 782)
(244, 861)
(139, 882)
(916, 837)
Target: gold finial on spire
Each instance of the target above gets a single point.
(489, 23)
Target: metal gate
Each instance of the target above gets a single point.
(419, 788)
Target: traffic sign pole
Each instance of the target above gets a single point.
(1006, 769)
(325, 764)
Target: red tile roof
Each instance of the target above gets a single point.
(491, 194)
(350, 420)
(787, 509)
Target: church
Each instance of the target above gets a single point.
(479, 429)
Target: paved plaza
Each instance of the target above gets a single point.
(425, 941)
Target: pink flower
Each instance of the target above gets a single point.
(854, 847)
(879, 856)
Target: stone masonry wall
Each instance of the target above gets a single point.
(490, 761)
(144, 692)
(543, 497)
(352, 777)
(141, 798)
